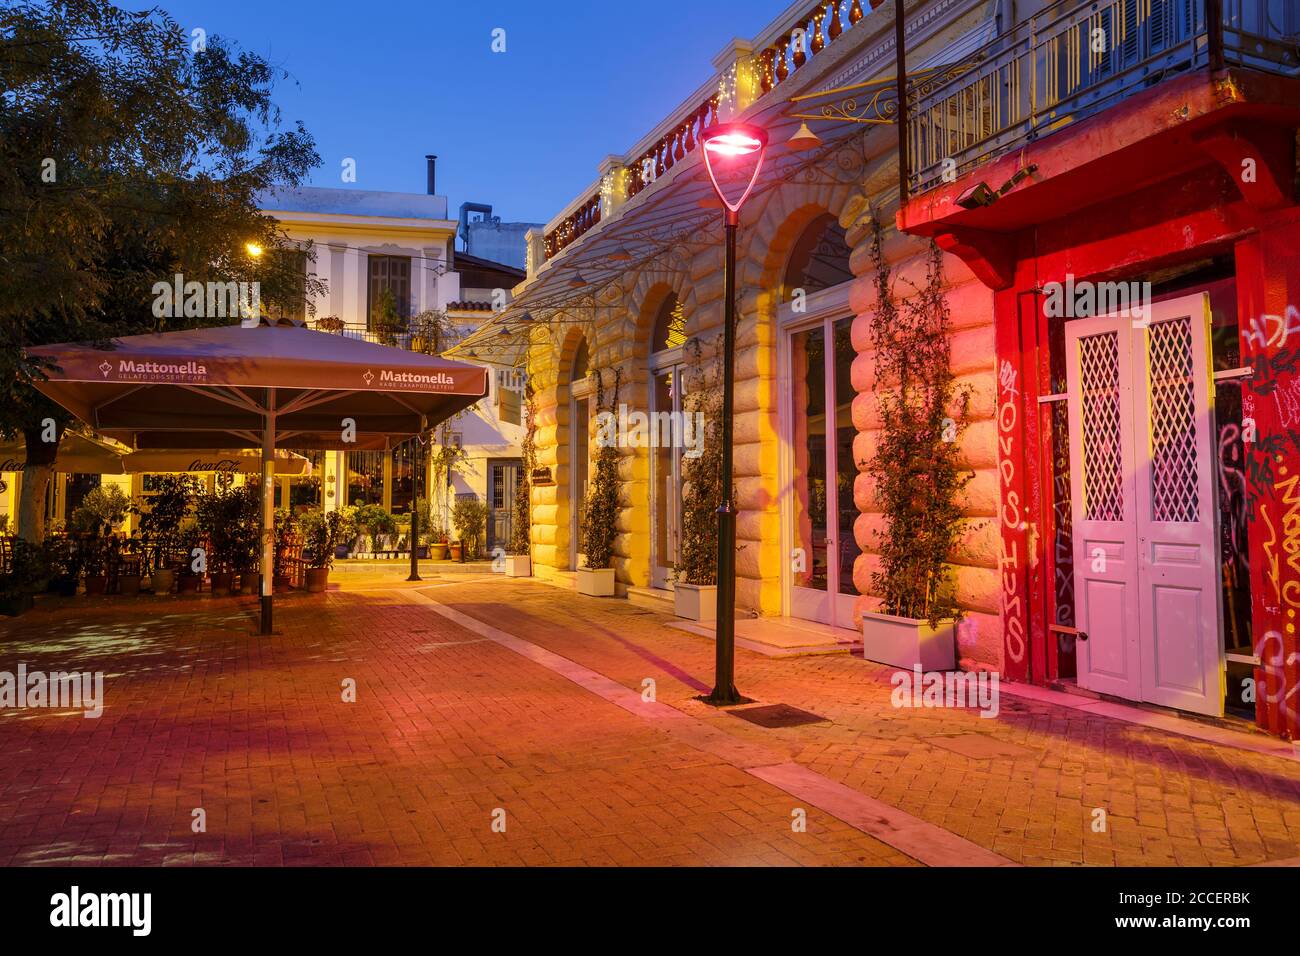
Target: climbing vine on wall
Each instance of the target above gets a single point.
(602, 501)
(917, 467)
(521, 523)
(697, 562)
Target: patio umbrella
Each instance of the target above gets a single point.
(78, 453)
(233, 386)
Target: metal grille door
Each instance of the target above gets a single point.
(1145, 544)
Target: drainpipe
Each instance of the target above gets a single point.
(1214, 32)
(900, 57)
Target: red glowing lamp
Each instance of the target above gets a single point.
(727, 146)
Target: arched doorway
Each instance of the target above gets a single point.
(816, 402)
(667, 391)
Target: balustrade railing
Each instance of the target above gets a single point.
(1074, 59)
(788, 49)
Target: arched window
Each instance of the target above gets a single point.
(580, 362)
(819, 259)
(670, 325)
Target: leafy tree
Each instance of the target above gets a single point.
(129, 152)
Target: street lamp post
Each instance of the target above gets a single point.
(417, 471)
(727, 145)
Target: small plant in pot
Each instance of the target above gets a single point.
(27, 573)
(519, 561)
(129, 563)
(432, 534)
(469, 518)
(597, 577)
(98, 552)
(230, 521)
(695, 585)
(161, 515)
(193, 564)
(65, 564)
(376, 527)
(918, 473)
(320, 531)
(286, 535)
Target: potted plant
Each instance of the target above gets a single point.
(190, 540)
(695, 584)
(597, 577)
(469, 518)
(329, 323)
(377, 526)
(519, 560)
(97, 555)
(101, 510)
(438, 543)
(918, 474)
(65, 562)
(286, 534)
(27, 573)
(129, 572)
(387, 321)
(321, 531)
(230, 520)
(161, 514)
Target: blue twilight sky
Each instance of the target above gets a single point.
(386, 82)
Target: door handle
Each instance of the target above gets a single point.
(1074, 632)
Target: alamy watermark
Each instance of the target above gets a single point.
(56, 690)
(636, 429)
(208, 300)
(917, 688)
(1081, 300)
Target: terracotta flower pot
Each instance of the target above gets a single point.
(96, 583)
(163, 580)
(222, 582)
(316, 579)
(128, 585)
(455, 551)
(438, 550)
(188, 583)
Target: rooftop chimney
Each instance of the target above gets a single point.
(432, 160)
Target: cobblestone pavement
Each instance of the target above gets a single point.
(449, 726)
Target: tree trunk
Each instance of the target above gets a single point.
(36, 478)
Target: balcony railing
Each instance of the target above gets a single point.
(778, 53)
(1074, 59)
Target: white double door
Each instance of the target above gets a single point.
(1145, 516)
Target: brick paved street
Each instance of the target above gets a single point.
(451, 723)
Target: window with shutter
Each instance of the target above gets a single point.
(392, 273)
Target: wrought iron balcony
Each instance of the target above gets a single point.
(1074, 59)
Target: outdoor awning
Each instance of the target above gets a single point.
(241, 461)
(87, 454)
(206, 388)
(78, 453)
(271, 384)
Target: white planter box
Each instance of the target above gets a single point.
(518, 566)
(906, 642)
(696, 602)
(596, 582)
